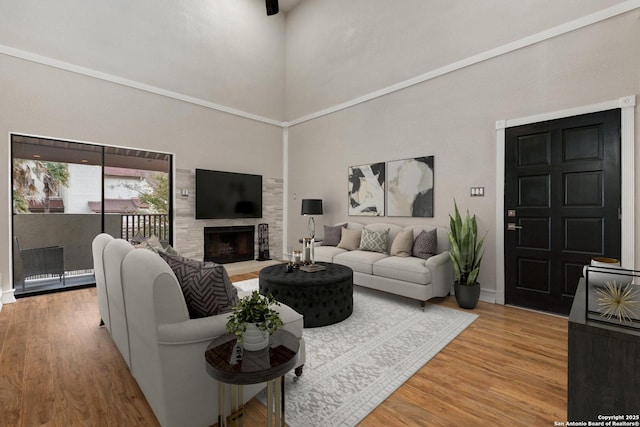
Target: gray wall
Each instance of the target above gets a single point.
(216, 52)
(339, 51)
(202, 59)
(225, 52)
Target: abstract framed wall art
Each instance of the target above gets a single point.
(366, 189)
(410, 187)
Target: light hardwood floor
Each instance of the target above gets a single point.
(58, 368)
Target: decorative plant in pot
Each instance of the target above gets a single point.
(252, 320)
(466, 255)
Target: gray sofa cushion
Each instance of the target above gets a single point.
(426, 244)
(332, 235)
(360, 261)
(403, 244)
(350, 239)
(206, 286)
(326, 253)
(408, 269)
(382, 226)
(375, 241)
(441, 233)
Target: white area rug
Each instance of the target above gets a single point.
(354, 365)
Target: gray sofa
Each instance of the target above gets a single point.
(409, 276)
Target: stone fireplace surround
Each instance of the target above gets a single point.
(189, 232)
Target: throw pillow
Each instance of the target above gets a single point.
(332, 235)
(152, 243)
(426, 244)
(374, 241)
(403, 244)
(171, 250)
(145, 245)
(350, 239)
(206, 286)
(137, 239)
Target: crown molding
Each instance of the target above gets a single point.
(522, 43)
(89, 72)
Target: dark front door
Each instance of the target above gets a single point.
(562, 201)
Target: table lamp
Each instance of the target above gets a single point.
(311, 207)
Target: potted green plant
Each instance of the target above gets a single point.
(252, 320)
(466, 255)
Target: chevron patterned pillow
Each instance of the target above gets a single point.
(206, 286)
(374, 241)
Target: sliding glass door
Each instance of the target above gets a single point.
(65, 193)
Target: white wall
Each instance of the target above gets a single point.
(359, 47)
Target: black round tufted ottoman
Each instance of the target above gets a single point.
(323, 298)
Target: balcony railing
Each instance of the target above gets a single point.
(78, 261)
(145, 224)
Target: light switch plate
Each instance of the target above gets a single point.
(477, 192)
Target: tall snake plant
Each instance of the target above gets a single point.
(466, 251)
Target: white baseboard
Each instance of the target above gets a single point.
(7, 297)
(488, 295)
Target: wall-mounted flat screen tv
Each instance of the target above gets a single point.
(225, 195)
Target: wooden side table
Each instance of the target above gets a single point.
(230, 365)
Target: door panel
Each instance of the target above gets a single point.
(562, 180)
(538, 235)
(534, 191)
(533, 274)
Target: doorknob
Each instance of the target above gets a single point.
(511, 226)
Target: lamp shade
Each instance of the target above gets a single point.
(311, 207)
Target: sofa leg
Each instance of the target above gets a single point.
(298, 371)
(422, 304)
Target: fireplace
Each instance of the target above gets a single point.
(229, 244)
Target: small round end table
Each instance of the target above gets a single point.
(230, 365)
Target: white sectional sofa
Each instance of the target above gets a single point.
(144, 310)
(409, 276)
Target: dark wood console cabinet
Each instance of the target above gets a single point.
(603, 365)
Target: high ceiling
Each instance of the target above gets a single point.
(224, 52)
(287, 5)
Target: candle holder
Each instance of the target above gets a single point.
(306, 249)
(297, 255)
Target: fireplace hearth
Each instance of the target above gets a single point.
(229, 244)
